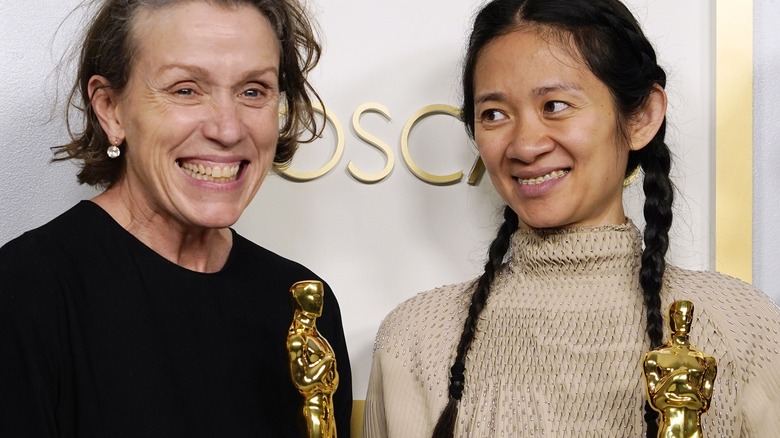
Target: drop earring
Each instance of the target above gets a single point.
(113, 151)
(627, 181)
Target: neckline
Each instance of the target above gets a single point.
(576, 251)
(133, 241)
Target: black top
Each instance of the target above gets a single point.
(102, 337)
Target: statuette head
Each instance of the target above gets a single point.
(308, 295)
(680, 317)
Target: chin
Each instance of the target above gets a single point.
(221, 224)
(217, 220)
(539, 222)
(540, 226)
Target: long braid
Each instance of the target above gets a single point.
(658, 217)
(655, 160)
(659, 195)
(445, 427)
(635, 77)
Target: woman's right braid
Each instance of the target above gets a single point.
(635, 79)
(659, 195)
(445, 427)
(655, 160)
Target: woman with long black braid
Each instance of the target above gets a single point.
(565, 99)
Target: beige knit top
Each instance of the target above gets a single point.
(559, 347)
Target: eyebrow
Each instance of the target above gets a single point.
(495, 96)
(203, 72)
(561, 86)
(498, 96)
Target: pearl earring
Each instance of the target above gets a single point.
(113, 150)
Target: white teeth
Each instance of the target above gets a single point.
(552, 175)
(215, 174)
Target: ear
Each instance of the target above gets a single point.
(645, 124)
(104, 102)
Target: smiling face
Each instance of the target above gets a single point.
(199, 113)
(546, 129)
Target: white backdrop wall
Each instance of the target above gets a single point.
(766, 144)
(379, 243)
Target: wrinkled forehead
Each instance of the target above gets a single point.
(157, 15)
(147, 8)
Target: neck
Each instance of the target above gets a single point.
(680, 338)
(604, 250)
(194, 248)
(303, 321)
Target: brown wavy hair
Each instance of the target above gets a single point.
(108, 50)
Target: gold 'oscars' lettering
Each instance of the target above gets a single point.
(410, 163)
(373, 141)
(475, 175)
(308, 176)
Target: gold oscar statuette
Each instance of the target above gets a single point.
(679, 378)
(312, 361)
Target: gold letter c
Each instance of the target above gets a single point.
(416, 170)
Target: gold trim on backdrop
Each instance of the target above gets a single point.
(734, 138)
(358, 409)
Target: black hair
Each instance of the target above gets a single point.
(611, 43)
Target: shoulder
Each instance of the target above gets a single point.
(740, 326)
(252, 262)
(262, 259)
(70, 231)
(415, 345)
(42, 250)
(730, 315)
(430, 313)
(717, 293)
(36, 267)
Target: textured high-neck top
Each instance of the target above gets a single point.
(559, 346)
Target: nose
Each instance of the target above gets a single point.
(224, 125)
(530, 140)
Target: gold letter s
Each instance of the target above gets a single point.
(372, 140)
